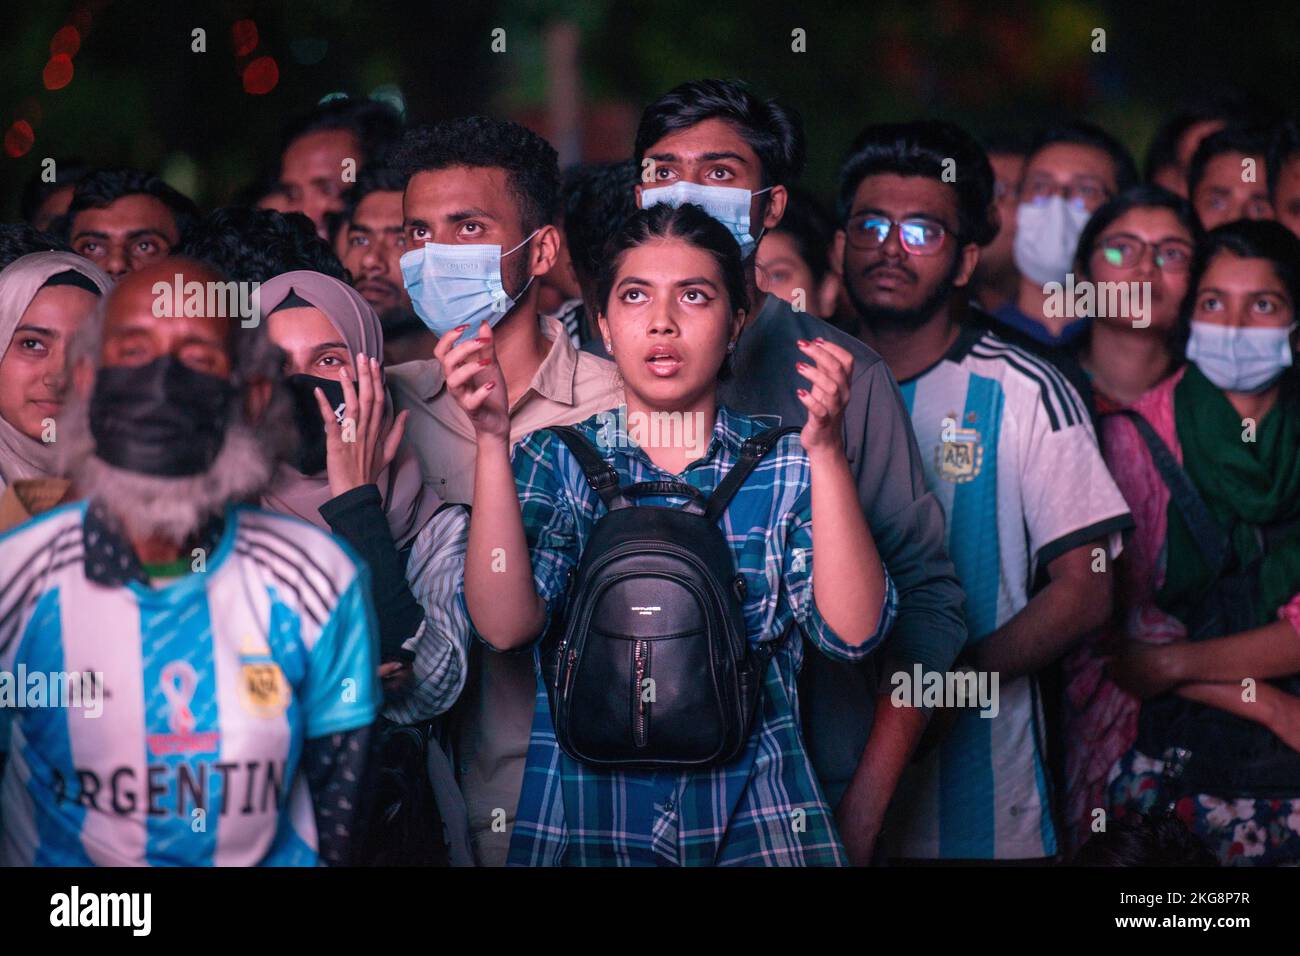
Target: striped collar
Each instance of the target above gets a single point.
(110, 560)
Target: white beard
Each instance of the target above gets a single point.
(149, 506)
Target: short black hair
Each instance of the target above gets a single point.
(254, 245)
(18, 239)
(103, 187)
(1139, 839)
(530, 162)
(691, 224)
(1247, 140)
(375, 125)
(1283, 147)
(67, 172)
(811, 228)
(926, 148)
(1227, 105)
(773, 131)
(597, 198)
(372, 179)
(1082, 133)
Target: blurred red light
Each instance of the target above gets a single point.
(261, 75)
(58, 72)
(19, 139)
(244, 36)
(67, 40)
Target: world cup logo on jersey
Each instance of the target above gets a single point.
(263, 691)
(178, 683)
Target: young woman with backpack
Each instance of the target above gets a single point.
(666, 620)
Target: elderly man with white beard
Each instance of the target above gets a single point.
(236, 648)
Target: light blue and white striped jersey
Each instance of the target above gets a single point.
(211, 686)
(1009, 450)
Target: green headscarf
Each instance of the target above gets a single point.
(1244, 484)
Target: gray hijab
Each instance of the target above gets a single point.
(20, 455)
(408, 502)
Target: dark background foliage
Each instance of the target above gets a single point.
(140, 96)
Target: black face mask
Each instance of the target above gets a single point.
(306, 415)
(161, 419)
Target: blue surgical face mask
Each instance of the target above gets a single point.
(458, 284)
(1239, 358)
(727, 204)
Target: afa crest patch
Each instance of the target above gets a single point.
(959, 459)
(263, 690)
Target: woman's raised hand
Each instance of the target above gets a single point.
(359, 448)
(475, 380)
(828, 375)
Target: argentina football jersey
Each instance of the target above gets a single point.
(199, 694)
(1009, 451)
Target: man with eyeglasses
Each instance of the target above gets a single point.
(1070, 171)
(1009, 450)
(715, 142)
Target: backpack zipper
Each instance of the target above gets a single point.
(641, 724)
(569, 669)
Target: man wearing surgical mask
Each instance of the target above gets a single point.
(716, 144)
(478, 207)
(1070, 171)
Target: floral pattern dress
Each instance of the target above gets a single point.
(1102, 719)
(1238, 832)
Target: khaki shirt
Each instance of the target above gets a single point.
(495, 711)
(569, 386)
(28, 497)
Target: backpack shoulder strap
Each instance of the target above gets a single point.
(600, 474)
(752, 451)
(1206, 532)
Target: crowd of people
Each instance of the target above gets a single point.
(432, 504)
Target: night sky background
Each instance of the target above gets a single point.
(115, 82)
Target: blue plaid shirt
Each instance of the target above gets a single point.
(764, 808)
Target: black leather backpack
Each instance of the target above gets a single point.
(649, 665)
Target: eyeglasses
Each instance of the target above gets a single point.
(920, 237)
(1124, 251)
(1088, 191)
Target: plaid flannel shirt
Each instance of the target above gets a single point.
(764, 808)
